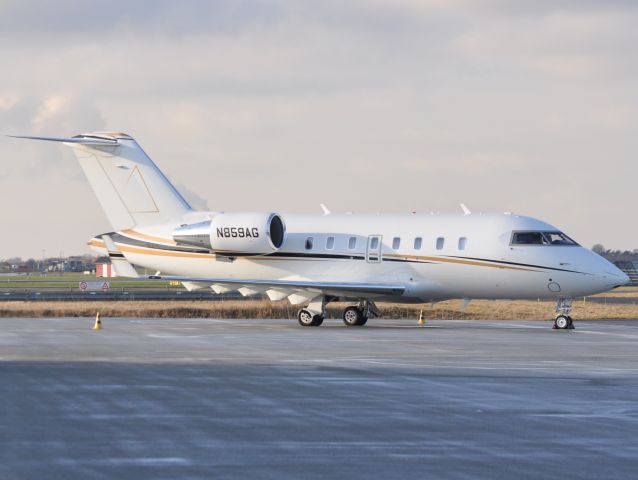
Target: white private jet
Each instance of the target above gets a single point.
(316, 259)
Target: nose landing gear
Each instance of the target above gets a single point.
(563, 320)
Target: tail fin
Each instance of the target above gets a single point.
(131, 189)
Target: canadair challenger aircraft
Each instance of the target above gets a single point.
(316, 259)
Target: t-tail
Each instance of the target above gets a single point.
(133, 192)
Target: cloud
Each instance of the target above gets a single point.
(193, 198)
(72, 17)
(384, 105)
(54, 115)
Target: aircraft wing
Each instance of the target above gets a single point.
(330, 288)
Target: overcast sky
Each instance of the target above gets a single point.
(385, 105)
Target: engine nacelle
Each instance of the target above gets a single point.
(240, 233)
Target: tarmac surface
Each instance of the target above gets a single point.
(191, 399)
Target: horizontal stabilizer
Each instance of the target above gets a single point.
(85, 140)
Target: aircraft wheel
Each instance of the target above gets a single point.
(353, 317)
(571, 323)
(307, 319)
(562, 322)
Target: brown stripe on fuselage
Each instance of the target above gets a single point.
(170, 253)
(163, 253)
(460, 262)
(94, 242)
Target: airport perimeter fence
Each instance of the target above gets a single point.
(631, 270)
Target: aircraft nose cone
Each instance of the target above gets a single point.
(624, 278)
(608, 275)
(616, 277)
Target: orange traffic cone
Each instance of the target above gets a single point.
(98, 322)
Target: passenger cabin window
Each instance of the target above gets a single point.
(396, 243)
(352, 243)
(330, 243)
(439, 243)
(417, 243)
(541, 238)
(309, 242)
(462, 242)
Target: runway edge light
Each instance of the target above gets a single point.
(421, 318)
(98, 322)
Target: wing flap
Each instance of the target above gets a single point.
(318, 287)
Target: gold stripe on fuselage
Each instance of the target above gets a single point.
(170, 253)
(460, 262)
(94, 242)
(143, 236)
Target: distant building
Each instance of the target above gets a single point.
(104, 270)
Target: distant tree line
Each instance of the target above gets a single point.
(616, 255)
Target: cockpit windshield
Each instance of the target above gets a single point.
(541, 238)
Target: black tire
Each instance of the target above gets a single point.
(562, 322)
(305, 318)
(317, 321)
(353, 317)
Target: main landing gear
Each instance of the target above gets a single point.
(563, 320)
(314, 313)
(353, 316)
(308, 319)
(357, 315)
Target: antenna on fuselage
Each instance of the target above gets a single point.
(466, 211)
(325, 209)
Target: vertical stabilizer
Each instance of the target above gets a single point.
(131, 189)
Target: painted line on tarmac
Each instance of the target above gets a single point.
(156, 335)
(611, 334)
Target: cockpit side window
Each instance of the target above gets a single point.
(541, 238)
(528, 238)
(558, 238)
